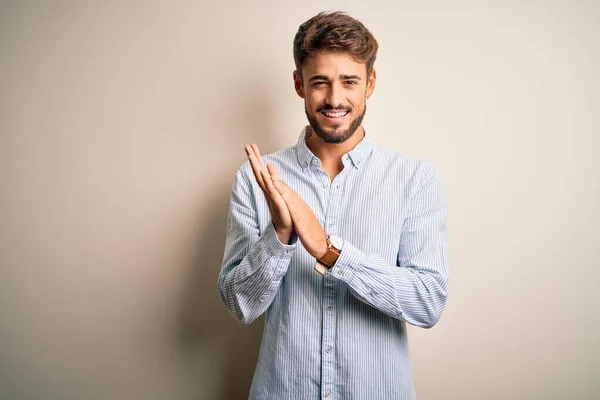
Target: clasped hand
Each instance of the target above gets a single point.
(288, 211)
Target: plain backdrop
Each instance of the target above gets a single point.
(123, 123)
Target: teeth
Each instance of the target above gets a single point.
(335, 114)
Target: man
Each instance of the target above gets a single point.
(339, 241)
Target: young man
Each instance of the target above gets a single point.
(339, 241)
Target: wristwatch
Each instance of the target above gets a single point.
(334, 249)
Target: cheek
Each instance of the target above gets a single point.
(316, 97)
(358, 103)
(309, 105)
(312, 104)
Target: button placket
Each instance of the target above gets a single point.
(331, 210)
(331, 218)
(328, 337)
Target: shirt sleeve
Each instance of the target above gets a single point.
(254, 262)
(415, 289)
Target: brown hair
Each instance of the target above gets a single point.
(334, 31)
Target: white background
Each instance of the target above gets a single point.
(121, 127)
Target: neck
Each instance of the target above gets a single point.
(331, 153)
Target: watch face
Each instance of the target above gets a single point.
(336, 241)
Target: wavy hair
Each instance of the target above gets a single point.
(334, 31)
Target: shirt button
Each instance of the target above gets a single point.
(262, 298)
(331, 223)
(338, 271)
(328, 350)
(327, 393)
(329, 308)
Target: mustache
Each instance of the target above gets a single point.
(328, 107)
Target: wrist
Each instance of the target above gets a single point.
(323, 248)
(332, 252)
(284, 236)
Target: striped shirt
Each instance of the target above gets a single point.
(341, 335)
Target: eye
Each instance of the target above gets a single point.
(352, 82)
(319, 83)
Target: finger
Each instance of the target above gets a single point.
(256, 167)
(257, 156)
(287, 194)
(257, 153)
(251, 153)
(274, 195)
(298, 209)
(272, 168)
(279, 186)
(270, 189)
(283, 189)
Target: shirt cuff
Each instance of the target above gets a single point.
(274, 246)
(349, 259)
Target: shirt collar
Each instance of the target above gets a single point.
(357, 155)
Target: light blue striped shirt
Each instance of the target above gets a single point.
(341, 335)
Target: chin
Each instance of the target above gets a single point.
(332, 132)
(333, 135)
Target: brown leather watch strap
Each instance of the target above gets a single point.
(330, 257)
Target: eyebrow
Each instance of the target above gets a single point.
(325, 78)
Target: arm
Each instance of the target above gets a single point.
(414, 290)
(254, 262)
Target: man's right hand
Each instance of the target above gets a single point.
(279, 210)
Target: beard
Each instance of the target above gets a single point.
(336, 135)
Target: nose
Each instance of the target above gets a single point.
(334, 95)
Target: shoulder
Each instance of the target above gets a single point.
(282, 157)
(407, 168)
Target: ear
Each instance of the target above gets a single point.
(371, 83)
(298, 84)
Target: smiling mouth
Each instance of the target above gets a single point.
(334, 114)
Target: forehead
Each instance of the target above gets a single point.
(332, 65)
